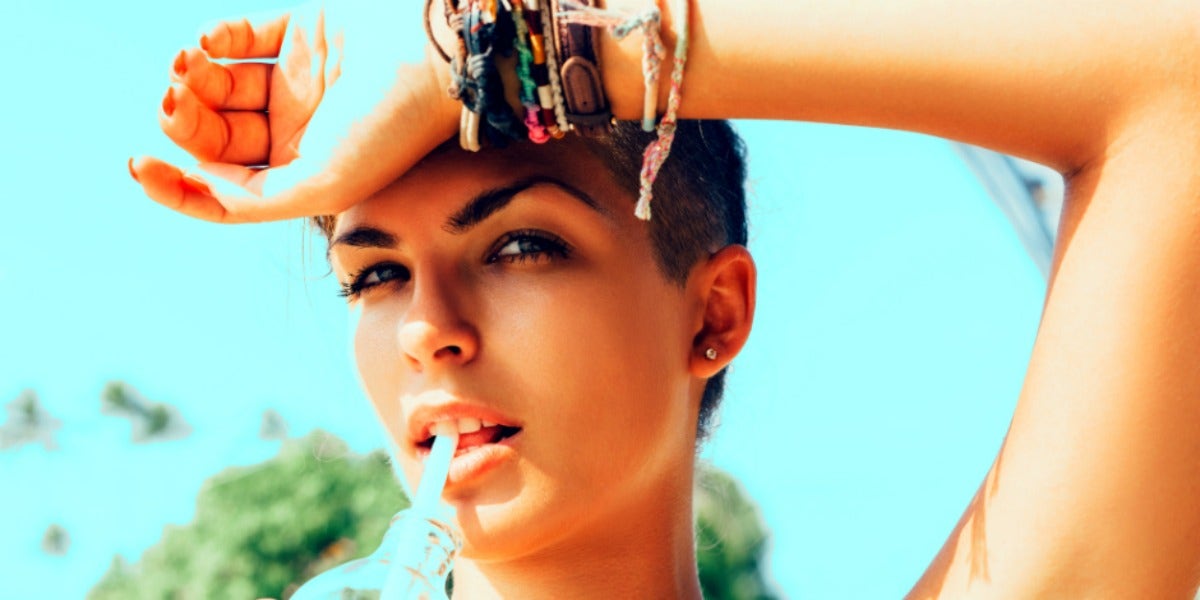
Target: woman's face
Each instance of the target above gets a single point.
(517, 288)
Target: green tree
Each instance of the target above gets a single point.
(152, 421)
(731, 540)
(28, 423)
(56, 540)
(260, 531)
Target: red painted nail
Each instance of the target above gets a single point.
(133, 173)
(191, 183)
(180, 66)
(204, 43)
(168, 104)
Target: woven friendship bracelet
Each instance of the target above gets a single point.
(656, 153)
(653, 52)
(528, 87)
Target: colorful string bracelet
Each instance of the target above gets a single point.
(653, 51)
(656, 153)
(528, 87)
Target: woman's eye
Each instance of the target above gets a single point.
(374, 276)
(529, 245)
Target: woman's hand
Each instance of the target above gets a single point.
(336, 116)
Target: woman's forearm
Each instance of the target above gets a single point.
(1051, 81)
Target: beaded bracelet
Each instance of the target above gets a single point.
(541, 69)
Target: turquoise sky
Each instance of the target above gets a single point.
(896, 314)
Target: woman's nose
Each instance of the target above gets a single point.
(434, 333)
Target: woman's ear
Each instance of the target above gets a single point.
(725, 284)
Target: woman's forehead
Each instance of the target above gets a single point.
(450, 176)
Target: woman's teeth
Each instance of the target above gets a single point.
(470, 431)
(463, 426)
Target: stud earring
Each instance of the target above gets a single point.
(710, 353)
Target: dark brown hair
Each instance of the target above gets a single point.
(699, 205)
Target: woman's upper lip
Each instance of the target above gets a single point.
(421, 421)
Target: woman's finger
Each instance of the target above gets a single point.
(236, 86)
(251, 37)
(231, 196)
(239, 137)
(176, 190)
(232, 193)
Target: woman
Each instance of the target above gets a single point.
(1093, 493)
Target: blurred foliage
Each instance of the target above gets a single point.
(56, 541)
(272, 426)
(731, 540)
(152, 421)
(260, 531)
(28, 423)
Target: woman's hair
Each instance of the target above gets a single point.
(699, 205)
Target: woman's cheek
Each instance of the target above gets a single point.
(377, 363)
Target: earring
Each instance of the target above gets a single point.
(710, 353)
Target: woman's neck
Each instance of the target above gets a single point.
(650, 554)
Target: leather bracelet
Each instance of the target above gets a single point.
(587, 108)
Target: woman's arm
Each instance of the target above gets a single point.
(1096, 491)
(1053, 81)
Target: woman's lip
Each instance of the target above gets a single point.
(472, 463)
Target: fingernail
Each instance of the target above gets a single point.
(204, 42)
(168, 103)
(133, 173)
(191, 183)
(180, 66)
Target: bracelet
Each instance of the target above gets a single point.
(429, 28)
(556, 99)
(526, 47)
(656, 153)
(620, 25)
(554, 75)
(488, 30)
(587, 108)
(544, 65)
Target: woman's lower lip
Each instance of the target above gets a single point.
(479, 460)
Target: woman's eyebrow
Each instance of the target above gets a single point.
(363, 237)
(489, 202)
(471, 214)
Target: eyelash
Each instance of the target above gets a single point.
(358, 281)
(548, 247)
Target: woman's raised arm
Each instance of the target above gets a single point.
(1096, 491)
(1053, 81)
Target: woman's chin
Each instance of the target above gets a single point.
(496, 531)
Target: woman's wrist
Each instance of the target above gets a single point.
(621, 62)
